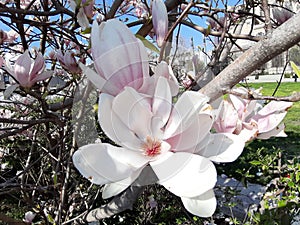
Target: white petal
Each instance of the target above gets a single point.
(226, 120)
(162, 100)
(203, 205)
(164, 70)
(95, 78)
(113, 127)
(82, 19)
(184, 112)
(43, 76)
(114, 189)
(269, 117)
(276, 132)
(189, 138)
(134, 111)
(221, 147)
(185, 174)
(104, 163)
(159, 20)
(118, 55)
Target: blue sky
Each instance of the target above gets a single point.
(186, 32)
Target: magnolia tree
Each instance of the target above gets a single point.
(90, 97)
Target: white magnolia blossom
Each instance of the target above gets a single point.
(173, 139)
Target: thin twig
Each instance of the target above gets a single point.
(295, 97)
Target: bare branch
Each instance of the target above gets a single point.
(274, 44)
(295, 97)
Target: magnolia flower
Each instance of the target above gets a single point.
(85, 12)
(121, 60)
(141, 9)
(174, 140)
(8, 37)
(160, 20)
(250, 119)
(28, 71)
(68, 61)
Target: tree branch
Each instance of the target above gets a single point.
(295, 97)
(274, 44)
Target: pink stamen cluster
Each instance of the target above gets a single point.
(152, 147)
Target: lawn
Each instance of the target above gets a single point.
(275, 160)
(286, 148)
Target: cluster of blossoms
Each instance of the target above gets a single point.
(174, 140)
(250, 119)
(8, 36)
(141, 9)
(178, 141)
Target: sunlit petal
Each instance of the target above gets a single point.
(112, 125)
(203, 205)
(104, 163)
(190, 138)
(185, 174)
(184, 110)
(134, 110)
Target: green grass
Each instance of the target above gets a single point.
(267, 150)
(292, 119)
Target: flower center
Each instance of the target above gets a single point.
(152, 147)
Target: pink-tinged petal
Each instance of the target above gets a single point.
(226, 121)
(184, 112)
(43, 76)
(221, 147)
(134, 110)
(22, 68)
(88, 7)
(38, 66)
(148, 87)
(123, 66)
(189, 138)
(275, 107)
(59, 55)
(249, 131)
(118, 55)
(185, 174)
(271, 115)
(82, 19)
(164, 70)
(276, 132)
(162, 101)
(160, 20)
(95, 78)
(239, 103)
(104, 163)
(203, 205)
(113, 127)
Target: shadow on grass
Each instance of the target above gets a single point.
(260, 159)
(290, 145)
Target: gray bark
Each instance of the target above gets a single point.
(275, 43)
